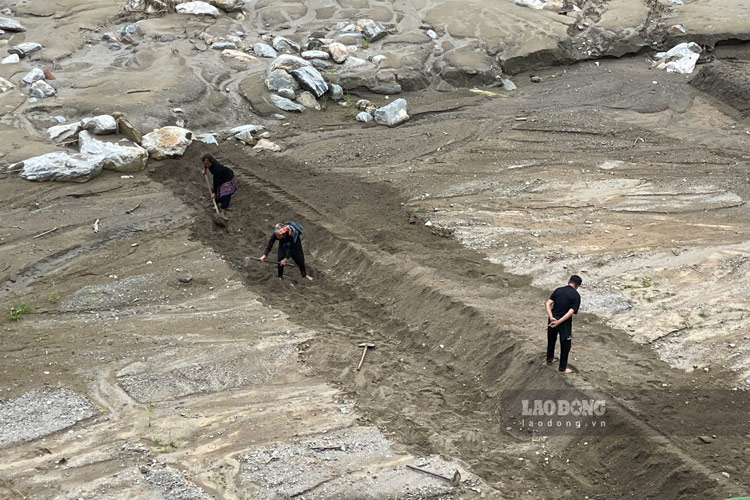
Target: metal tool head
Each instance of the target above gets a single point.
(365, 344)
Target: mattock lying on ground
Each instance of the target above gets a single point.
(455, 480)
(364, 346)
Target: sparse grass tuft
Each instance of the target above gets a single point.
(17, 311)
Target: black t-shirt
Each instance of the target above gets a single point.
(565, 298)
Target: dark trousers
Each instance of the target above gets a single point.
(296, 254)
(223, 202)
(566, 340)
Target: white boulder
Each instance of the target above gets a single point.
(167, 142)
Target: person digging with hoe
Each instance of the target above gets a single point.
(561, 306)
(290, 245)
(224, 184)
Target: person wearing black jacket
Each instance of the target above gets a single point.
(224, 183)
(290, 245)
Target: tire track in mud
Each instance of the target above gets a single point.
(433, 380)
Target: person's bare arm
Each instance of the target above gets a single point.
(548, 306)
(565, 318)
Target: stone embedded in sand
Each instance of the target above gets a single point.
(11, 59)
(335, 91)
(117, 156)
(61, 133)
(99, 125)
(338, 52)
(354, 38)
(238, 54)
(255, 129)
(5, 85)
(310, 79)
(279, 79)
(59, 166)
(285, 104)
(24, 49)
(288, 93)
(265, 144)
(285, 46)
(41, 89)
(127, 129)
(679, 59)
(315, 54)
(320, 64)
(264, 50)
(11, 25)
(373, 30)
(392, 114)
(247, 136)
(32, 76)
(288, 63)
(363, 117)
(197, 9)
(224, 46)
(308, 100)
(167, 142)
(229, 5)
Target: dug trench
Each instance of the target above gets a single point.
(459, 342)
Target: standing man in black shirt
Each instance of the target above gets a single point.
(561, 306)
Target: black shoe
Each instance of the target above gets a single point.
(549, 361)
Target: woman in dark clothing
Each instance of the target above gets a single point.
(290, 245)
(224, 184)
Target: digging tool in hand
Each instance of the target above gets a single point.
(247, 259)
(364, 347)
(455, 480)
(218, 219)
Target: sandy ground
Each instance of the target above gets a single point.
(154, 361)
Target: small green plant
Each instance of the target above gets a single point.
(703, 314)
(365, 44)
(17, 311)
(166, 446)
(649, 299)
(149, 409)
(54, 296)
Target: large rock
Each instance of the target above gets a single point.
(24, 49)
(238, 54)
(197, 9)
(288, 93)
(338, 52)
(335, 91)
(127, 129)
(288, 63)
(285, 46)
(279, 79)
(310, 79)
(11, 25)
(224, 46)
(117, 156)
(229, 5)
(359, 73)
(264, 50)
(255, 129)
(315, 54)
(373, 30)
(266, 145)
(286, 104)
(11, 59)
(308, 100)
(41, 89)
(100, 125)
(32, 76)
(392, 114)
(61, 133)
(167, 142)
(59, 166)
(5, 85)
